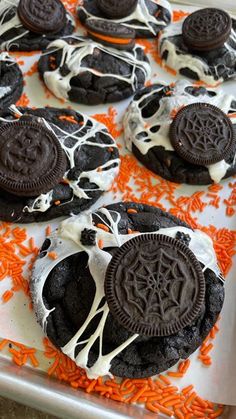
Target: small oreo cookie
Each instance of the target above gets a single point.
(117, 9)
(32, 160)
(182, 132)
(154, 285)
(207, 29)
(202, 134)
(42, 16)
(110, 33)
(11, 81)
(152, 301)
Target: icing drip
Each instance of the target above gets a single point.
(135, 125)
(66, 242)
(141, 14)
(8, 7)
(103, 177)
(72, 57)
(178, 59)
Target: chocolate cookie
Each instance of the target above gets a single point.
(29, 25)
(110, 33)
(170, 294)
(201, 46)
(84, 71)
(11, 81)
(183, 132)
(145, 17)
(53, 162)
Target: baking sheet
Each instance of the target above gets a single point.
(17, 322)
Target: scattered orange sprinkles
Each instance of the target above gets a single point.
(23, 101)
(179, 15)
(109, 120)
(20, 354)
(68, 118)
(33, 69)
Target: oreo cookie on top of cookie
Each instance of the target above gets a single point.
(201, 46)
(84, 71)
(182, 132)
(155, 297)
(28, 25)
(146, 18)
(53, 162)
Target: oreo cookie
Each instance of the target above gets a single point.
(154, 285)
(164, 280)
(110, 33)
(201, 46)
(182, 132)
(42, 16)
(146, 17)
(117, 9)
(30, 25)
(207, 29)
(94, 73)
(53, 162)
(11, 81)
(32, 160)
(202, 134)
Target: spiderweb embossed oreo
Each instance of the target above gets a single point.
(42, 16)
(207, 29)
(202, 134)
(117, 9)
(110, 33)
(31, 159)
(154, 285)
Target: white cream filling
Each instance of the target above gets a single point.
(66, 242)
(72, 56)
(135, 124)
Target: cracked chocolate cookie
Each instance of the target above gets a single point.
(86, 72)
(201, 46)
(146, 17)
(155, 297)
(182, 132)
(29, 25)
(53, 162)
(11, 81)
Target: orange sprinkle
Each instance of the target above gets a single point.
(103, 227)
(52, 255)
(100, 244)
(33, 360)
(164, 379)
(48, 230)
(57, 202)
(175, 374)
(7, 296)
(3, 344)
(132, 211)
(207, 349)
(68, 118)
(179, 15)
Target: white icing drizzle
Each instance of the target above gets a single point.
(66, 242)
(140, 14)
(72, 56)
(135, 123)
(177, 59)
(103, 177)
(10, 6)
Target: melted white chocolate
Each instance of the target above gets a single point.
(103, 177)
(73, 55)
(143, 19)
(66, 242)
(135, 123)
